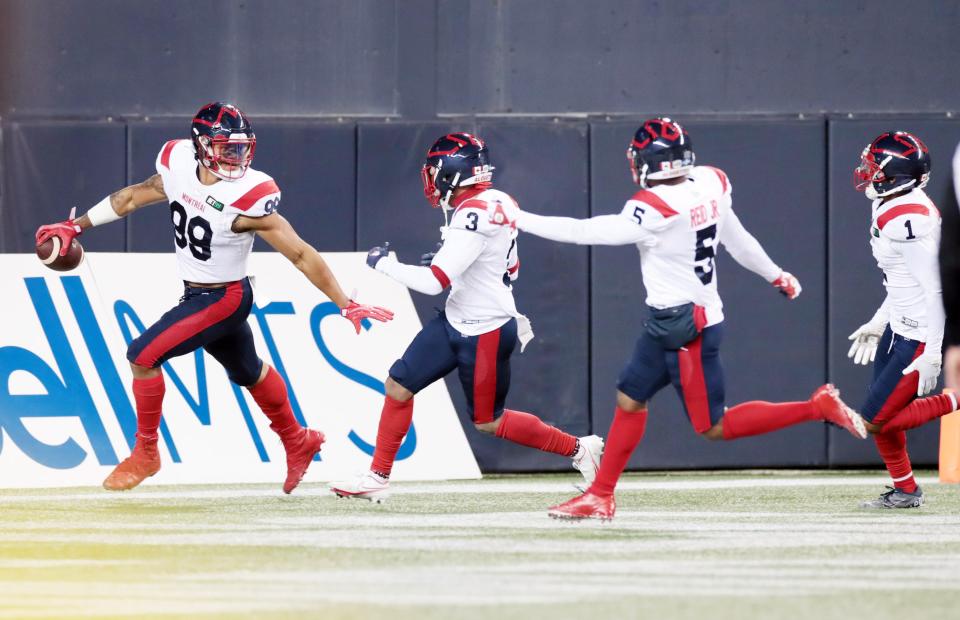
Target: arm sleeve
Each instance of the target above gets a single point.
(921, 261)
(460, 249)
(599, 230)
(882, 315)
(746, 250)
(420, 279)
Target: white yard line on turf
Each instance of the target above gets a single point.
(468, 488)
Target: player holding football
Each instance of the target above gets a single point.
(218, 204)
(905, 336)
(479, 328)
(676, 220)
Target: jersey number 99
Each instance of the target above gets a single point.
(195, 233)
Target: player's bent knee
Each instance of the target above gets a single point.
(143, 372)
(489, 428)
(714, 433)
(396, 391)
(628, 404)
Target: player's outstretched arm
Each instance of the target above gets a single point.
(598, 230)
(920, 258)
(459, 250)
(115, 206)
(277, 231)
(747, 251)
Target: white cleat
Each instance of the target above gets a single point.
(587, 458)
(368, 486)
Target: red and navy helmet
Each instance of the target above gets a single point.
(455, 160)
(894, 162)
(223, 140)
(661, 149)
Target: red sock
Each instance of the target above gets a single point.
(394, 423)
(624, 435)
(148, 394)
(529, 430)
(757, 417)
(271, 396)
(893, 451)
(919, 412)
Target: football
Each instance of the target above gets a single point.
(49, 254)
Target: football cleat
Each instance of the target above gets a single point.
(142, 463)
(895, 498)
(586, 506)
(587, 458)
(300, 457)
(369, 486)
(836, 412)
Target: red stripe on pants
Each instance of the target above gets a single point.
(694, 385)
(485, 377)
(190, 326)
(901, 395)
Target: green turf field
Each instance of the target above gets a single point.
(704, 546)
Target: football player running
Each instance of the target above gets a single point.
(903, 340)
(479, 328)
(218, 204)
(676, 220)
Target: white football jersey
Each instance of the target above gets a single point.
(689, 220)
(482, 236)
(904, 238)
(208, 251)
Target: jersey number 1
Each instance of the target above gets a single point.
(196, 233)
(705, 254)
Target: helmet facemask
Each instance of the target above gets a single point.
(226, 158)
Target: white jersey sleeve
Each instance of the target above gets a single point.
(911, 233)
(745, 249)
(263, 198)
(619, 229)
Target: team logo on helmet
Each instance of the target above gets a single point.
(454, 160)
(223, 140)
(893, 162)
(660, 149)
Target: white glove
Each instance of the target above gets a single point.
(928, 366)
(865, 340)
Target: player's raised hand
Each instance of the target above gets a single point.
(355, 313)
(927, 365)
(426, 259)
(376, 253)
(865, 339)
(65, 230)
(788, 285)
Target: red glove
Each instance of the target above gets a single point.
(788, 285)
(355, 313)
(65, 230)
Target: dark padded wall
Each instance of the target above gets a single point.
(856, 283)
(417, 58)
(51, 166)
(773, 349)
(550, 378)
(168, 57)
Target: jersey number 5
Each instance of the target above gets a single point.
(705, 254)
(195, 233)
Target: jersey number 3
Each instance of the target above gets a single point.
(195, 233)
(705, 254)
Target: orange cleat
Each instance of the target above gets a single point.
(835, 411)
(300, 457)
(142, 463)
(586, 506)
